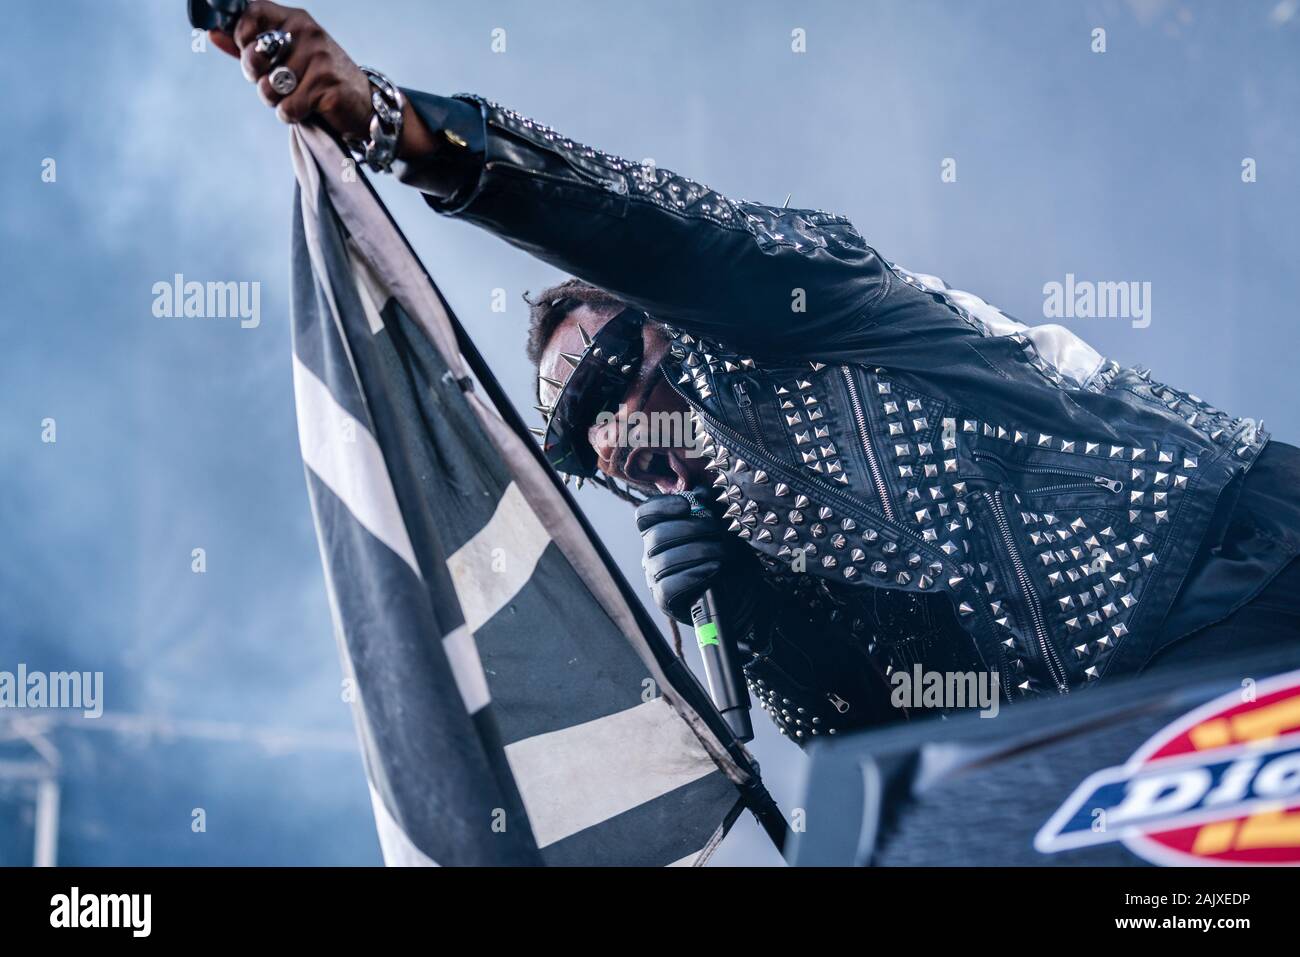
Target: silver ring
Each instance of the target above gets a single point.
(272, 44)
(283, 80)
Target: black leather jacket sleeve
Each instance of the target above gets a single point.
(749, 274)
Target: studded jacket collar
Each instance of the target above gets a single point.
(874, 425)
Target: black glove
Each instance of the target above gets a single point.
(685, 555)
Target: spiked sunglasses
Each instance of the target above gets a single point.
(597, 383)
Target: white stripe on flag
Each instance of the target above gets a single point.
(396, 847)
(346, 457)
(373, 295)
(577, 777)
(490, 568)
(377, 241)
(467, 668)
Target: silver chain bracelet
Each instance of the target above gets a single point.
(380, 150)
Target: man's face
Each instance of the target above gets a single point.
(648, 443)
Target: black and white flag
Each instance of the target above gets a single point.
(514, 703)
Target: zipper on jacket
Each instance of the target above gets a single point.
(1030, 593)
(1093, 481)
(810, 481)
(751, 417)
(864, 438)
(819, 486)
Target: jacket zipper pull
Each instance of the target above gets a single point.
(1113, 484)
(751, 416)
(840, 704)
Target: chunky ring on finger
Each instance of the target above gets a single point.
(273, 43)
(283, 80)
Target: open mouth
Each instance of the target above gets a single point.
(664, 470)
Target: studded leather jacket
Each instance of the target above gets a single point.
(820, 655)
(872, 425)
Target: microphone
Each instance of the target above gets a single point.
(215, 14)
(726, 684)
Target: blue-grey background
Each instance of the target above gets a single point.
(178, 434)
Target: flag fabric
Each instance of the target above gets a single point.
(514, 702)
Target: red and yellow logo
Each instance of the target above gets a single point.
(1219, 786)
(1269, 836)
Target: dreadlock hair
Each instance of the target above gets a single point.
(549, 308)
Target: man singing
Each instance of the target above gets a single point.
(900, 474)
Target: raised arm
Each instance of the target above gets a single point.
(757, 276)
(682, 252)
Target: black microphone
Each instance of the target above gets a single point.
(216, 14)
(718, 649)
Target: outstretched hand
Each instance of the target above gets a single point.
(330, 85)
